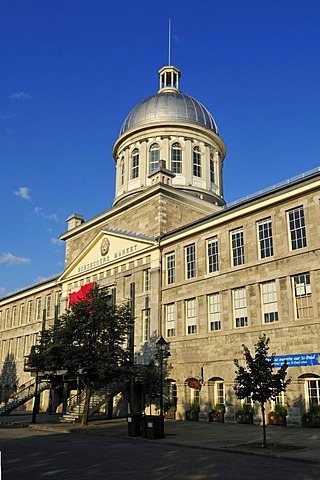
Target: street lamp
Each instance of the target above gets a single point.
(162, 353)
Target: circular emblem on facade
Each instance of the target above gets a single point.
(194, 383)
(104, 247)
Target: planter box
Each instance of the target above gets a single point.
(217, 417)
(277, 420)
(244, 418)
(170, 415)
(192, 415)
(310, 422)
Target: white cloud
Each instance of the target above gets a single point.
(23, 192)
(46, 216)
(56, 241)
(3, 291)
(9, 260)
(21, 96)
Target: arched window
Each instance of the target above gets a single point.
(176, 158)
(135, 164)
(154, 157)
(196, 162)
(122, 171)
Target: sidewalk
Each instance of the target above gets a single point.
(292, 442)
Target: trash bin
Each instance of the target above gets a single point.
(134, 425)
(153, 426)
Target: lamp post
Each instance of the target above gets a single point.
(162, 353)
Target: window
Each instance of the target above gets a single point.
(6, 318)
(14, 316)
(21, 313)
(1, 325)
(265, 238)
(176, 158)
(211, 170)
(171, 319)
(237, 245)
(190, 256)
(219, 393)
(214, 311)
(122, 171)
(135, 164)
(170, 265)
(29, 311)
(302, 295)
(297, 228)
(196, 162)
(48, 304)
(38, 308)
(154, 157)
(146, 280)
(240, 307)
(212, 250)
(58, 303)
(269, 302)
(313, 392)
(191, 313)
(146, 324)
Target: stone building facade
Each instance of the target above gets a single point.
(208, 276)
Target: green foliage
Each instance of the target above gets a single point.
(219, 408)
(313, 414)
(245, 409)
(8, 378)
(257, 379)
(151, 381)
(280, 410)
(195, 407)
(91, 339)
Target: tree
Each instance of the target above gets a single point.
(257, 379)
(151, 383)
(8, 378)
(90, 339)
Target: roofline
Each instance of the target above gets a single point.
(250, 199)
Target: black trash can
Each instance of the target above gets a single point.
(134, 425)
(153, 426)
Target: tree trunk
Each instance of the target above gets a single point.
(264, 425)
(85, 413)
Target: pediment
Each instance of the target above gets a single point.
(107, 248)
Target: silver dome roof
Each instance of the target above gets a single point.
(169, 105)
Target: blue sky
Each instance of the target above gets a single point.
(71, 70)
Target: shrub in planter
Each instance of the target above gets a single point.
(193, 412)
(312, 417)
(217, 413)
(244, 414)
(170, 412)
(278, 415)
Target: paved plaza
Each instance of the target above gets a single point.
(190, 450)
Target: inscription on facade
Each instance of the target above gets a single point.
(108, 258)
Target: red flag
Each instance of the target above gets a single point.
(81, 294)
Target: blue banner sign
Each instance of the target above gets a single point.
(299, 360)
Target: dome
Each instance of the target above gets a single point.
(171, 106)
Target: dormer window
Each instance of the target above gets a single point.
(135, 164)
(176, 158)
(154, 157)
